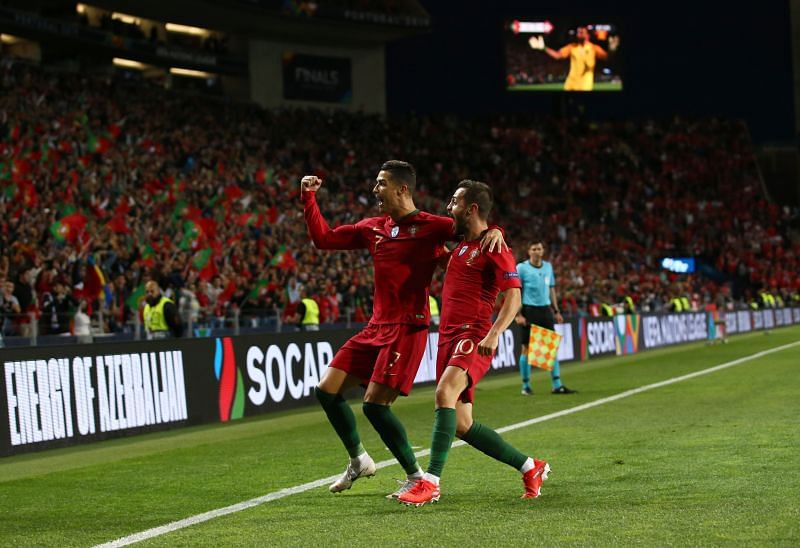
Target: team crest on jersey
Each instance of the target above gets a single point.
(395, 231)
(472, 255)
(413, 230)
(462, 250)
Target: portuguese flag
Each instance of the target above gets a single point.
(69, 228)
(191, 234)
(135, 298)
(283, 259)
(256, 291)
(203, 262)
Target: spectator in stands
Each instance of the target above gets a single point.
(10, 309)
(57, 310)
(121, 311)
(82, 324)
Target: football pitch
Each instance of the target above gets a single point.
(703, 460)
(559, 86)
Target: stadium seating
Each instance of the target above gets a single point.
(106, 183)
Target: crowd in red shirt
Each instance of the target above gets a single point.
(105, 183)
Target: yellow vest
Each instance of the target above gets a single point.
(677, 305)
(154, 316)
(686, 306)
(607, 310)
(630, 305)
(312, 312)
(434, 305)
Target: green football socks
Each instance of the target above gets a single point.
(342, 419)
(393, 434)
(488, 441)
(444, 430)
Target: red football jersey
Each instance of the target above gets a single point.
(404, 255)
(471, 285)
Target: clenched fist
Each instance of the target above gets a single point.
(310, 183)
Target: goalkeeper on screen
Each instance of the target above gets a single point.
(582, 55)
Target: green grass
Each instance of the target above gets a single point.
(559, 86)
(709, 461)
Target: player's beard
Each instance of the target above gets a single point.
(461, 225)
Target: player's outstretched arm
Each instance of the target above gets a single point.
(341, 237)
(537, 43)
(511, 304)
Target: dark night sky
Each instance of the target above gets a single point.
(700, 57)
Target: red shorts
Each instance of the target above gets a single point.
(461, 350)
(388, 354)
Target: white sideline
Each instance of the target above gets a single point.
(200, 518)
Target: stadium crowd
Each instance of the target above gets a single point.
(106, 183)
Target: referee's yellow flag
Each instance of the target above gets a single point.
(543, 347)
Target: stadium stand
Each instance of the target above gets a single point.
(108, 182)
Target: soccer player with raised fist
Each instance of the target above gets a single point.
(405, 244)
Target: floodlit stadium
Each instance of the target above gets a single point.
(388, 272)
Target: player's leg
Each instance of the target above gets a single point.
(459, 369)
(452, 383)
(347, 370)
(489, 442)
(329, 394)
(402, 348)
(377, 407)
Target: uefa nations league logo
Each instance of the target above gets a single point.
(231, 385)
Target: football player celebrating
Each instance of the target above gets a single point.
(467, 341)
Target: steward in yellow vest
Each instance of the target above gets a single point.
(434, 306)
(307, 312)
(160, 314)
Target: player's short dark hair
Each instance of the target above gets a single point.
(478, 193)
(403, 171)
(535, 240)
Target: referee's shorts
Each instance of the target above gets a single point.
(536, 315)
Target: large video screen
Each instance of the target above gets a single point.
(563, 54)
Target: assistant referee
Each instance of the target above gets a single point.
(539, 307)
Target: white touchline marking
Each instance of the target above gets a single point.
(238, 507)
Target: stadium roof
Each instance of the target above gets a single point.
(308, 22)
